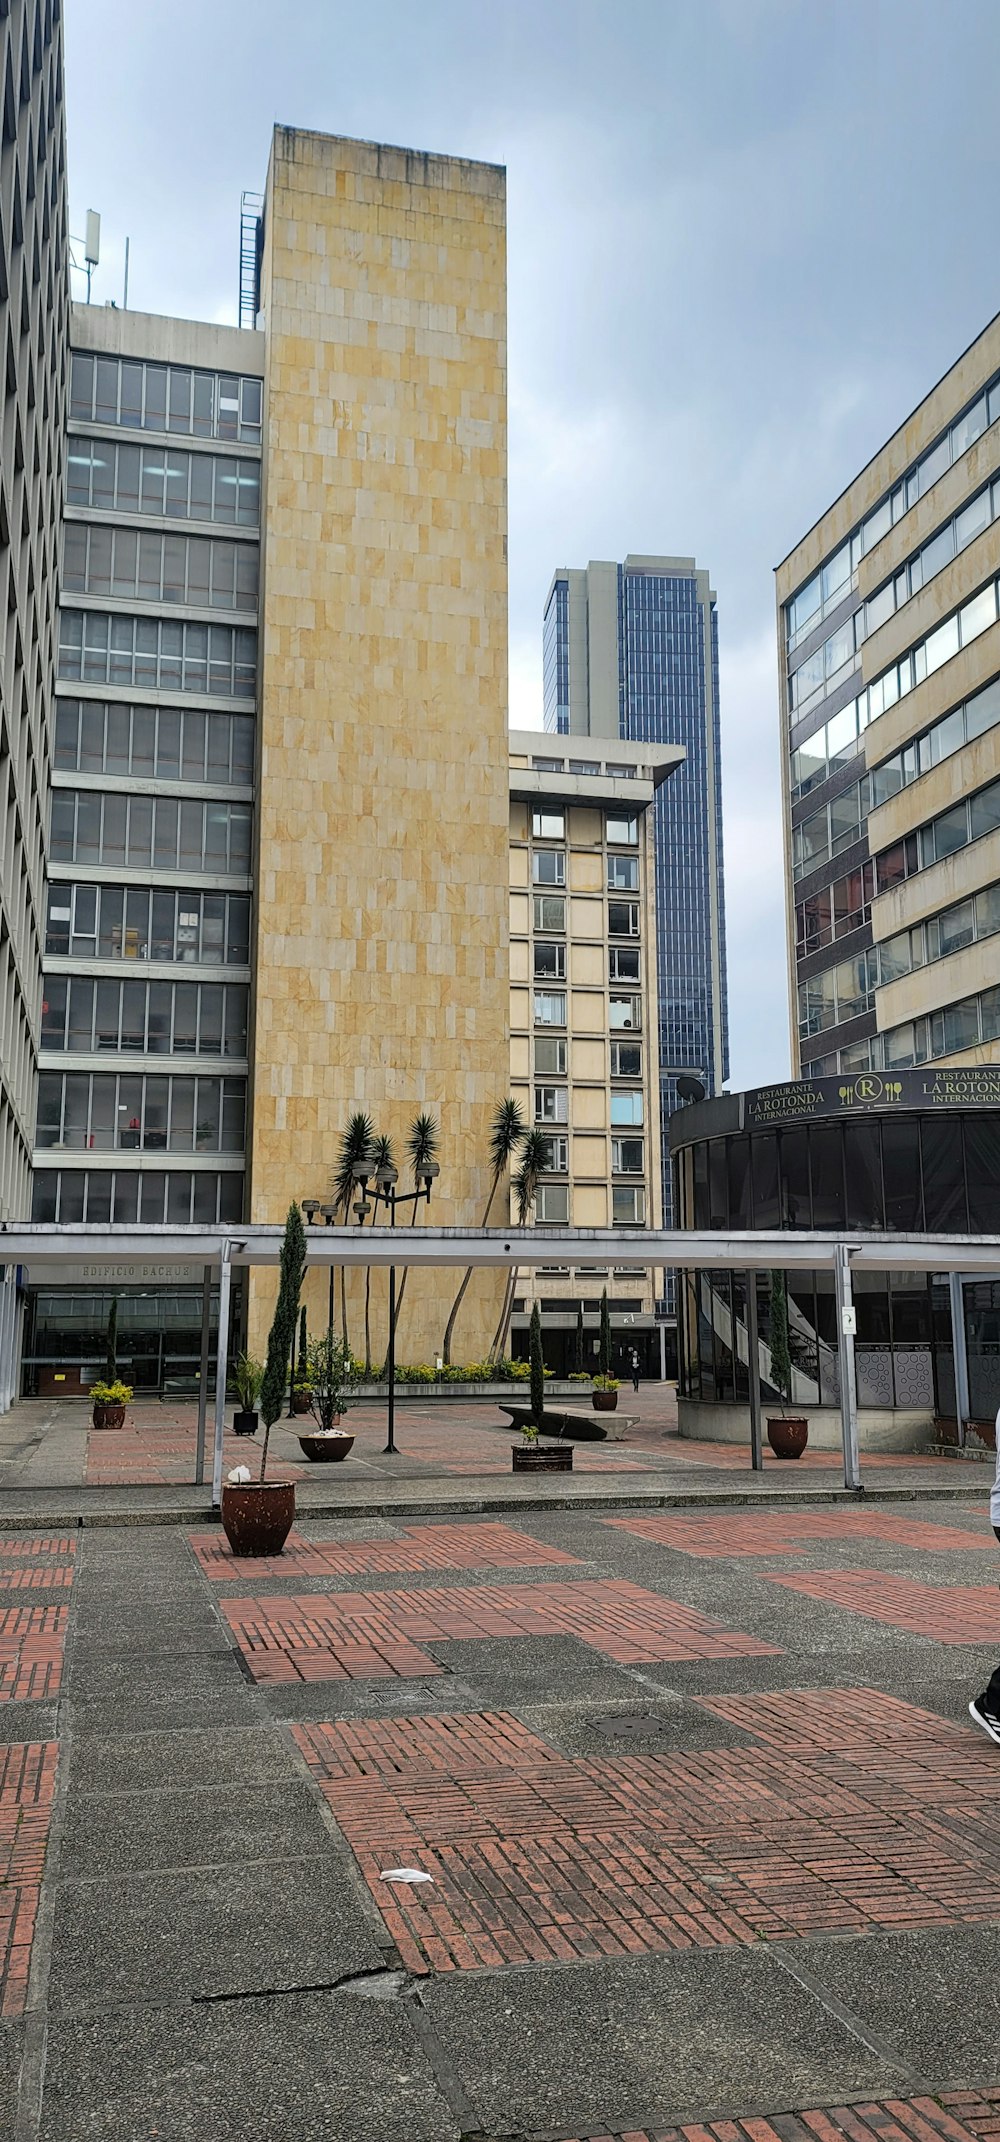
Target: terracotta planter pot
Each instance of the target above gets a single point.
(320, 1448)
(787, 1434)
(257, 1518)
(108, 1416)
(300, 1402)
(245, 1423)
(524, 1459)
(605, 1401)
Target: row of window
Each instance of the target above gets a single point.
(158, 1018)
(623, 1011)
(628, 1205)
(831, 829)
(932, 557)
(825, 668)
(964, 924)
(148, 922)
(552, 1106)
(961, 726)
(550, 962)
(157, 654)
(968, 1024)
(953, 829)
(98, 1112)
(113, 477)
(833, 745)
(839, 993)
(154, 565)
(550, 915)
(162, 397)
(548, 867)
(829, 586)
(619, 831)
(150, 833)
(551, 1057)
(835, 911)
(124, 1197)
(98, 736)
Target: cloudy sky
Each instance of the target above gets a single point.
(745, 237)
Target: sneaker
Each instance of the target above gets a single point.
(985, 1718)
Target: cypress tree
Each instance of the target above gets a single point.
(282, 1333)
(111, 1370)
(605, 1355)
(578, 1341)
(781, 1359)
(537, 1366)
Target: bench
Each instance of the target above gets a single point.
(569, 1424)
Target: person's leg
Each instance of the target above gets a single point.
(985, 1709)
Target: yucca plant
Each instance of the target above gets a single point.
(422, 1145)
(507, 1132)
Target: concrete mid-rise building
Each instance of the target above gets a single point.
(278, 882)
(889, 654)
(584, 1024)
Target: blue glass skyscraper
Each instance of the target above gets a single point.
(632, 651)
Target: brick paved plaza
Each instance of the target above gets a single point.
(714, 1850)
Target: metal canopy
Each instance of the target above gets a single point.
(43, 1248)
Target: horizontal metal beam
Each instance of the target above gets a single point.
(44, 1248)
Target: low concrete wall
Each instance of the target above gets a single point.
(878, 1428)
(487, 1394)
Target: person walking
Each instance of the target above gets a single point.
(985, 1709)
(635, 1370)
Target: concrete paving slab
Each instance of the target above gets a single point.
(164, 1937)
(305, 2068)
(200, 1826)
(934, 1997)
(611, 2046)
(11, 2048)
(393, 1698)
(213, 1756)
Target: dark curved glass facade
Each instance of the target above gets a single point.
(911, 1160)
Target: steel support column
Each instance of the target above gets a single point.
(221, 1357)
(753, 1372)
(960, 1353)
(848, 1374)
(206, 1301)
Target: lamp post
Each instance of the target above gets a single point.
(384, 1192)
(328, 1213)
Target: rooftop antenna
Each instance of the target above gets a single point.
(92, 245)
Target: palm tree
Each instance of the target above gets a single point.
(507, 1132)
(536, 1158)
(422, 1146)
(355, 1145)
(381, 1155)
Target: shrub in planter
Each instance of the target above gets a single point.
(605, 1398)
(302, 1398)
(330, 1368)
(110, 1401)
(248, 1378)
(257, 1516)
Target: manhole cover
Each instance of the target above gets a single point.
(643, 1725)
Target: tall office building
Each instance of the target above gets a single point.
(631, 651)
(278, 885)
(34, 303)
(889, 653)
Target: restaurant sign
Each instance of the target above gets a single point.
(801, 1100)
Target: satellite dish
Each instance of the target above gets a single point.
(690, 1089)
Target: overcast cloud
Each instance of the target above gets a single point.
(745, 237)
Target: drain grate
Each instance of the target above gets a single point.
(638, 1725)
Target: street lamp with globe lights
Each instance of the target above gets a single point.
(383, 1182)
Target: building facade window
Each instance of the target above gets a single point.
(154, 743)
(550, 1054)
(550, 1008)
(835, 911)
(175, 1197)
(127, 1111)
(150, 832)
(157, 654)
(961, 726)
(548, 825)
(623, 963)
(152, 1018)
(552, 1204)
(157, 397)
(549, 912)
(623, 873)
(548, 866)
(623, 918)
(140, 922)
(557, 1162)
(551, 1104)
(111, 476)
(624, 1011)
(626, 1059)
(628, 1205)
(154, 565)
(626, 1107)
(626, 1156)
(549, 962)
(621, 832)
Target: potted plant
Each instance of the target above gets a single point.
(248, 1379)
(605, 1398)
(787, 1433)
(110, 1400)
(529, 1455)
(302, 1395)
(257, 1515)
(329, 1368)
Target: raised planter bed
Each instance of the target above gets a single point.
(488, 1394)
(528, 1458)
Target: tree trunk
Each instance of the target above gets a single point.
(460, 1296)
(496, 1348)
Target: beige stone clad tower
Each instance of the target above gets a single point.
(381, 925)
